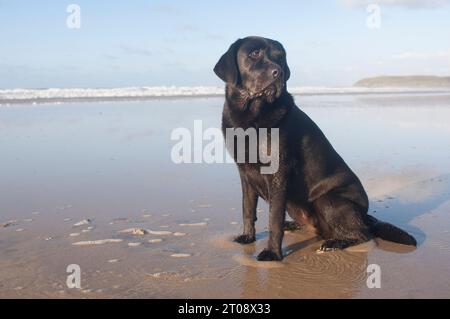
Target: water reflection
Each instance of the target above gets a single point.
(110, 160)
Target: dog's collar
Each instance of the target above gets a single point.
(245, 96)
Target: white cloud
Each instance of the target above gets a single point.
(130, 50)
(414, 4)
(165, 8)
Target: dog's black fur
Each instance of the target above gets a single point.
(313, 183)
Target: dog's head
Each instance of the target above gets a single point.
(256, 65)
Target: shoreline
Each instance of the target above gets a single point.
(294, 92)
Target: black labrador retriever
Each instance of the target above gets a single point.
(313, 183)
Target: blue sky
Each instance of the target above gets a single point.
(134, 43)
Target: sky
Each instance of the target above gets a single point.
(149, 43)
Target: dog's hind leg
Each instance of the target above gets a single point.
(340, 222)
(290, 225)
(301, 217)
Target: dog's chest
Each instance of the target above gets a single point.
(259, 182)
(251, 145)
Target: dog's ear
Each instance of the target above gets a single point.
(227, 69)
(287, 72)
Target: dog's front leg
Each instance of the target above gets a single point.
(277, 216)
(249, 204)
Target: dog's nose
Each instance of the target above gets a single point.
(276, 73)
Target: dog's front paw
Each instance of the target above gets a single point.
(245, 239)
(268, 255)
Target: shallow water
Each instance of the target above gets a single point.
(110, 163)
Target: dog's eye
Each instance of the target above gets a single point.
(255, 54)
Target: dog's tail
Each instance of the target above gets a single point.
(390, 232)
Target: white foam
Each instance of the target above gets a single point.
(195, 224)
(97, 242)
(134, 244)
(135, 231)
(61, 94)
(179, 234)
(83, 222)
(12, 96)
(159, 232)
(180, 255)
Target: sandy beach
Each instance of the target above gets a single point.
(93, 184)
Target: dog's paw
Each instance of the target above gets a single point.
(291, 226)
(244, 239)
(268, 255)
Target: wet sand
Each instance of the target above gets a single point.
(154, 229)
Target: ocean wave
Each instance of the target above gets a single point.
(17, 96)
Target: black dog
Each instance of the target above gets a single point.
(313, 183)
